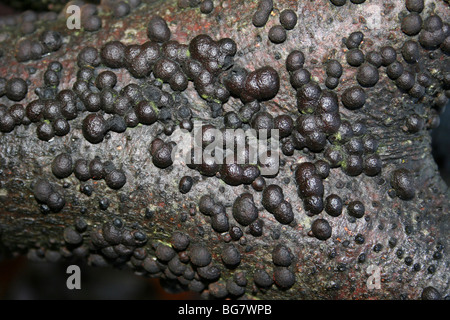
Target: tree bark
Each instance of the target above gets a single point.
(150, 201)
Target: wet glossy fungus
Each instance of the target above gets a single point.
(388, 55)
(372, 165)
(412, 24)
(16, 89)
(394, 70)
(321, 229)
(262, 278)
(288, 19)
(272, 197)
(355, 57)
(81, 170)
(295, 60)
(262, 84)
(244, 210)
(410, 51)
(207, 6)
(403, 183)
(113, 54)
(62, 166)
(333, 205)
(231, 256)
(415, 5)
(354, 98)
(199, 255)
(94, 128)
(158, 30)
(283, 213)
(334, 69)
(367, 75)
(115, 179)
(356, 209)
(299, 77)
(45, 131)
(51, 40)
(185, 184)
(354, 40)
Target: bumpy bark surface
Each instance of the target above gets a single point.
(406, 239)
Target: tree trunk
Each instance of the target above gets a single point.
(404, 240)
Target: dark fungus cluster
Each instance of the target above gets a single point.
(163, 69)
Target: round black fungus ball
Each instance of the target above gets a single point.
(158, 30)
(284, 124)
(272, 197)
(354, 98)
(146, 112)
(414, 123)
(161, 155)
(321, 229)
(45, 131)
(333, 205)
(91, 23)
(367, 75)
(354, 40)
(81, 170)
(277, 34)
(121, 9)
(283, 213)
(281, 256)
(295, 60)
(394, 70)
(410, 51)
(262, 278)
(199, 255)
(113, 54)
(374, 58)
(106, 79)
(388, 55)
(16, 89)
(288, 19)
(415, 5)
(180, 241)
(185, 184)
(430, 293)
(334, 69)
(353, 165)
(284, 278)
(262, 84)
(207, 6)
(88, 57)
(372, 165)
(51, 40)
(115, 179)
(355, 57)
(338, 3)
(62, 166)
(231, 256)
(356, 209)
(406, 81)
(403, 183)
(94, 128)
(300, 77)
(411, 24)
(244, 210)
